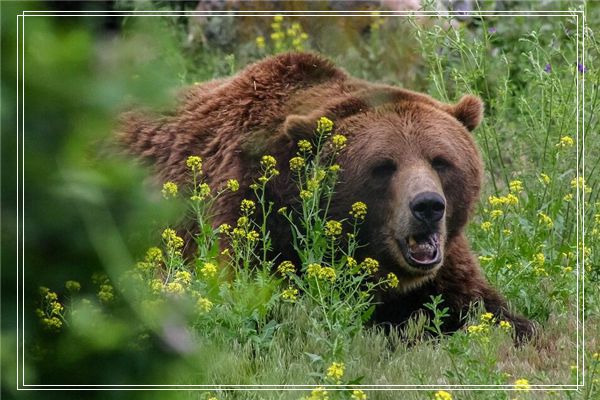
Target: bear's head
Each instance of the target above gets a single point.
(414, 162)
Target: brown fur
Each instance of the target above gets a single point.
(268, 106)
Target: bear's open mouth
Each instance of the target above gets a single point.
(422, 250)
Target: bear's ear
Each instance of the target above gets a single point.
(469, 111)
(298, 127)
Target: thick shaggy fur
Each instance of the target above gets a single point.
(270, 105)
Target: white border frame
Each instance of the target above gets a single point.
(580, 206)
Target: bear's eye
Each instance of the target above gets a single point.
(384, 170)
(440, 164)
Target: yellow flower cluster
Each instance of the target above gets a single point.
(305, 194)
(369, 265)
(336, 371)
(324, 125)
(304, 145)
(515, 186)
(106, 293)
(505, 325)
(496, 214)
(73, 286)
(268, 162)
(318, 393)
(487, 317)
(486, 225)
(333, 228)
(248, 206)
(260, 42)
(172, 241)
(442, 395)
(545, 220)
(169, 190)
(580, 183)
(208, 270)
(358, 394)
(203, 304)
(286, 267)
(201, 192)
(565, 141)
(522, 385)
(544, 179)
(508, 200)
(233, 185)
(194, 163)
(296, 163)
(539, 260)
(319, 272)
(392, 280)
(359, 210)
(51, 312)
(290, 294)
(339, 141)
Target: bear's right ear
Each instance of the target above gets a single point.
(469, 111)
(298, 127)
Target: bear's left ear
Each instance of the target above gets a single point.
(469, 111)
(298, 127)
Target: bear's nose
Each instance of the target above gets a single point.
(428, 207)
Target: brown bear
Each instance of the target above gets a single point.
(410, 158)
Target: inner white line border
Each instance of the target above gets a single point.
(580, 226)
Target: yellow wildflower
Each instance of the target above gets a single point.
(358, 394)
(224, 228)
(335, 168)
(290, 294)
(392, 280)
(247, 206)
(565, 141)
(442, 395)
(486, 226)
(154, 255)
(516, 186)
(171, 239)
(522, 385)
(203, 304)
(351, 262)
(339, 141)
(336, 371)
(233, 185)
(359, 210)
(252, 236)
(545, 220)
(370, 266)
(305, 194)
(169, 190)
(268, 161)
(73, 286)
(496, 213)
(156, 286)
(313, 270)
(511, 199)
(539, 259)
(208, 270)
(304, 145)
(278, 18)
(297, 163)
(487, 317)
(319, 393)
(175, 288)
(105, 294)
(333, 228)
(327, 273)
(544, 179)
(183, 277)
(260, 42)
(282, 210)
(580, 183)
(568, 197)
(286, 267)
(505, 325)
(324, 125)
(194, 163)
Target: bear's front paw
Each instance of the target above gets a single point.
(524, 329)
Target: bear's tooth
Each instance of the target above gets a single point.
(411, 241)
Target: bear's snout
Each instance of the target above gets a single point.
(428, 207)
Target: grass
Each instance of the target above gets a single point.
(241, 323)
